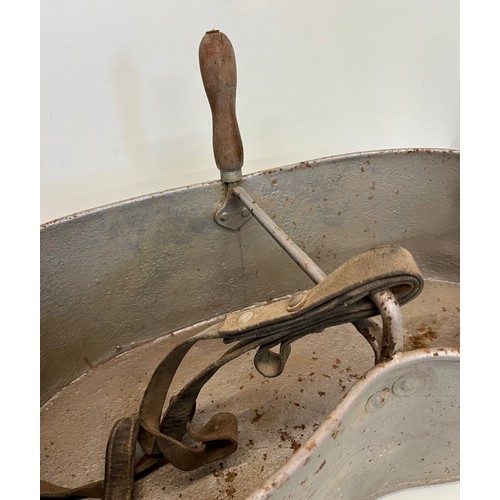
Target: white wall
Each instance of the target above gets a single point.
(123, 110)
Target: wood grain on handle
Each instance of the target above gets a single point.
(218, 71)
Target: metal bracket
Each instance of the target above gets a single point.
(233, 213)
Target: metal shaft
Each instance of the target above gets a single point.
(384, 300)
(218, 70)
(293, 250)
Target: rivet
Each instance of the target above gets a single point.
(245, 317)
(296, 301)
(223, 216)
(377, 400)
(245, 212)
(405, 386)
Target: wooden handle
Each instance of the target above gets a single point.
(218, 71)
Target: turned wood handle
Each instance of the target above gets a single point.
(218, 71)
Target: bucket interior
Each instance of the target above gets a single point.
(122, 285)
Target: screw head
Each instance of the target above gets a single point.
(405, 386)
(245, 212)
(296, 301)
(377, 400)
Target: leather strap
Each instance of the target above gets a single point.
(342, 295)
(341, 298)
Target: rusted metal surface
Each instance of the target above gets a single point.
(118, 276)
(125, 275)
(282, 421)
(392, 322)
(397, 427)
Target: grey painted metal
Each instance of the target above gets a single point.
(276, 417)
(292, 249)
(397, 427)
(121, 275)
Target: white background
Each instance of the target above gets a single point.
(123, 111)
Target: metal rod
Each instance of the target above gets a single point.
(392, 319)
(292, 249)
(384, 300)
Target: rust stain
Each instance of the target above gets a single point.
(285, 436)
(230, 476)
(425, 335)
(321, 466)
(311, 445)
(230, 492)
(342, 385)
(257, 416)
(336, 364)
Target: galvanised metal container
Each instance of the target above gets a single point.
(122, 284)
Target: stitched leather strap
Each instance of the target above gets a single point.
(342, 297)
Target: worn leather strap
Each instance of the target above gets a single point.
(342, 297)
